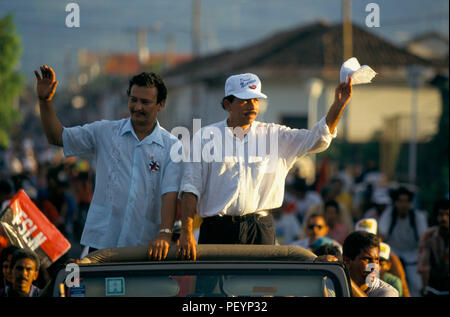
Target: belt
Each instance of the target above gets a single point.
(243, 218)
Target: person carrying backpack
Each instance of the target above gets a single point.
(400, 226)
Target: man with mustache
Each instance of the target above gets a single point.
(136, 185)
(24, 270)
(361, 255)
(234, 195)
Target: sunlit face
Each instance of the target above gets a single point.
(143, 106)
(242, 111)
(357, 266)
(385, 266)
(316, 228)
(23, 274)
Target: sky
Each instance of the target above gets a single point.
(110, 25)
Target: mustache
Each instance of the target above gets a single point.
(21, 279)
(250, 112)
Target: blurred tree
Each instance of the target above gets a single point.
(11, 81)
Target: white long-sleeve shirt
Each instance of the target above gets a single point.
(246, 176)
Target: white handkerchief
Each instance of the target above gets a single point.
(359, 74)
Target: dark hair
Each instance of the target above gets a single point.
(300, 185)
(402, 191)
(230, 99)
(5, 187)
(24, 254)
(332, 203)
(149, 80)
(358, 241)
(331, 249)
(6, 251)
(442, 204)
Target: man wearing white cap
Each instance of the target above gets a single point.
(234, 195)
(385, 266)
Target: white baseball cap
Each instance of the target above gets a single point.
(385, 250)
(244, 86)
(368, 225)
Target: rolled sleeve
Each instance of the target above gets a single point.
(192, 180)
(172, 178)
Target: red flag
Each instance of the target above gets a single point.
(27, 227)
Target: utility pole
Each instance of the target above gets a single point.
(415, 78)
(195, 41)
(347, 43)
(196, 26)
(347, 29)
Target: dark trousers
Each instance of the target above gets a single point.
(249, 229)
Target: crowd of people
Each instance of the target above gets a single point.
(413, 242)
(388, 246)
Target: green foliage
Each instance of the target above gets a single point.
(11, 82)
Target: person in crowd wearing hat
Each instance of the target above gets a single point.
(234, 195)
(385, 266)
(433, 256)
(401, 226)
(24, 270)
(137, 182)
(396, 266)
(361, 251)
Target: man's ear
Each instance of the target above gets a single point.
(162, 104)
(226, 104)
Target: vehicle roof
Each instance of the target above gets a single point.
(206, 252)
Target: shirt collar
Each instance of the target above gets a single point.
(251, 130)
(155, 136)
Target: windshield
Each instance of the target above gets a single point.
(210, 283)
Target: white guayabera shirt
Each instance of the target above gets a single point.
(131, 177)
(246, 176)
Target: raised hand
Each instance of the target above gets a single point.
(46, 85)
(343, 93)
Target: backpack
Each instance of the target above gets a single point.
(412, 222)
